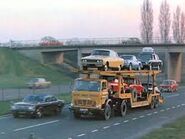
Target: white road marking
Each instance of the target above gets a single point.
(105, 127)
(162, 110)
(2, 133)
(4, 117)
(155, 112)
(96, 130)
(80, 135)
(32, 126)
(167, 109)
(172, 96)
(134, 119)
(173, 107)
(142, 116)
(69, 138)
(178, 106)
(126, 121)
(149, 114)
(183, 104)
(117, 124)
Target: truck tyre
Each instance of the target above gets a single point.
(156, 102)
(15, 115)
(152, 104)
(123, 108)
(107, 112)
(76, 115)
(134, 95)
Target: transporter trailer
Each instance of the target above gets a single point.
(95, 94)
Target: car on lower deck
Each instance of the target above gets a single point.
(169, 86)
(37, 106)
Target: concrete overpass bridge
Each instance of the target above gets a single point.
(173, 55)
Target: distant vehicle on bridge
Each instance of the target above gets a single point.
(50, 41)
(132, 41)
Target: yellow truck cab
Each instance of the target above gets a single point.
(89, 96)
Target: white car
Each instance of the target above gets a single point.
(38, 83)
(131, 62)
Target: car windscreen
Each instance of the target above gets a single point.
(100, 52)
(126, 57)
(166, 82)
(33, 99)
(145, 56)
(82, 85)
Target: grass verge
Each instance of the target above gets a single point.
(175, 130)
(5, 105)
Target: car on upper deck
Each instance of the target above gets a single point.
(131, 62)
(37, 106)
(149, 59)
(103, 59)
(169, 86)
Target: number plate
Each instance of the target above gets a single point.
(83, 110)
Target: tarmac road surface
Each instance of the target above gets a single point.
(135, 124)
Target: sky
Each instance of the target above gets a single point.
(63, 19)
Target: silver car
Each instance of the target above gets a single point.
(131, 62)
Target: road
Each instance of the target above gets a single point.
(134, 125)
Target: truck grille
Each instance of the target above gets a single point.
(91, 60)
(88, 103)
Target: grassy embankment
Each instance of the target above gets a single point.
(175, 130)
(16, 70)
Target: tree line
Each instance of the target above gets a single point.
(177, 23)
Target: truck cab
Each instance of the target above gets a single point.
(89, 96)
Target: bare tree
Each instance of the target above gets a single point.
(182, 28)
(176, 25)
(147, 21)
(164, 21)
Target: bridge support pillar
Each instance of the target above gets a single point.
(60, 58)
(79, 57)
(174, 66)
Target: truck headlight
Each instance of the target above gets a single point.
(99, 61)
(84, 60)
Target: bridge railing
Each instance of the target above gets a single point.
(81, 41)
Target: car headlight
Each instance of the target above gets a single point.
(99, 61)
(31, 108)
(13, 107)
(84, 60)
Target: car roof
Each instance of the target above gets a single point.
(104, 50)
(127, 55)
(41, 95)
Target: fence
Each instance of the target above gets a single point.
(18, 93)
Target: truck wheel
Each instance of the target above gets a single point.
(152, 104)
(76, 115)
(123, 108)
(107, 112)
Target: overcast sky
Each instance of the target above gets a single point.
(34, 19)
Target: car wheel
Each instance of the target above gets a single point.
(57, 111)
(130, 66)
(39, 113)
(106, 67)
(15, 115)
(139, 67)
